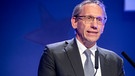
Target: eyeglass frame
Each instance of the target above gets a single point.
(86, 18)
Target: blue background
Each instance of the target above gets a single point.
(27, 25)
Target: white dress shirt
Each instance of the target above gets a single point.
(82, 48)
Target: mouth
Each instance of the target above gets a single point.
(93, 32)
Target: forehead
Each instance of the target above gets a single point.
(92, 9)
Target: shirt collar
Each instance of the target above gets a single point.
(82, 48)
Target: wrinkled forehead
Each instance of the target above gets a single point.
(93, 9)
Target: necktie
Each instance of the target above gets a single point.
(88, 66)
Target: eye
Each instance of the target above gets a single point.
(90, 17)
(99, 19)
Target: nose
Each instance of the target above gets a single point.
(94, 24)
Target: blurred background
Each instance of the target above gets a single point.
(26, 26)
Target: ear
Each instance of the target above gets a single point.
(74, 22)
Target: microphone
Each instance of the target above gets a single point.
(128, 59)
(96, 61)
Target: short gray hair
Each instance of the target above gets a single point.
(78, 8)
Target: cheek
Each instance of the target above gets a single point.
(81, 29)
(101, 29)
(80, 26)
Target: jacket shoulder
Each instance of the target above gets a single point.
(109, 53)
(58, 45)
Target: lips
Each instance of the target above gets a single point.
(92, 32)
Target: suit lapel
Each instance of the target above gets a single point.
(104, 64)
(74, 57)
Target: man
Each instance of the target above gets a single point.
(68, 58)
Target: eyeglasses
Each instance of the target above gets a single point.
(89, 19)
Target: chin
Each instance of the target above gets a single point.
(91, 40)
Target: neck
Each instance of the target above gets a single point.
(88, 44)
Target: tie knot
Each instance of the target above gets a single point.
(87, 52)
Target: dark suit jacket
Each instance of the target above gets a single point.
(63, 59)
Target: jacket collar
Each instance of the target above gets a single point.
(74, 57)
(105, 67)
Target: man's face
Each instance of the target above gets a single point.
(91, 27)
